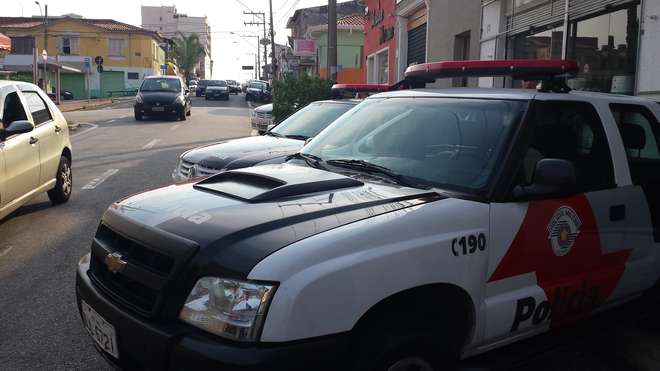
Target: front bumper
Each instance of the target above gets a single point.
(260, 124)
(149, 345)
(217, 94)
(154, 110)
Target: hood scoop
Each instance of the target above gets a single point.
(271, 182)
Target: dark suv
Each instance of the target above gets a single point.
(201, 88)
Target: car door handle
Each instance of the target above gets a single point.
(58, 129)
(33, 140)
(617, 213)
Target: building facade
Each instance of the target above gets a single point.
(299, 24)
(402, 33)
(168, 22)
(129, 53)
(605, 37)
(350, 49)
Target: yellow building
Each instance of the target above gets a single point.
(129, 53)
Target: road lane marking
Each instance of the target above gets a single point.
(6, 251)
(97, 181)
(175, 127)
(111, 121)
(151, 144)
(93, 126)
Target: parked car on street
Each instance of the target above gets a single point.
(261, 118)
(217, 89)
(64, 95)
(234, 88)
(285, 139)
(422, 226)
(35, 150)
(258, 91)
(192, 87)
(162, 96)
(201, 88)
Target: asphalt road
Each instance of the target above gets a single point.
(114, 156)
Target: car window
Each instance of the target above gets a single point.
(446, 142)
(256, 85)
(309, 121)
(217, 83)
(639, 131)
(12, 109)
(157, 84)
(38, 108)
(570, 131)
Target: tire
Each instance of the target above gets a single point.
(182, 115)
(64, 183)
(138, 116)
(206, 97)
(189, 112)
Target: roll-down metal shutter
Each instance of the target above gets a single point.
(417, 45)
(552, 12)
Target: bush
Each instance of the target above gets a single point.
(291, 94)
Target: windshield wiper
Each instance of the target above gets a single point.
(274, 134)
(299, 137)
(370, 168)
(311, 160)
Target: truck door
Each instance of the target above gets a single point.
(640, 133)
(556, 259)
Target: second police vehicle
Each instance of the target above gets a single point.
(422, 226)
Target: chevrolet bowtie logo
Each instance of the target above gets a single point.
(114, 262)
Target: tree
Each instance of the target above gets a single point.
(187, 51)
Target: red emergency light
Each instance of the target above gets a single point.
(360, 88)
(525, 69)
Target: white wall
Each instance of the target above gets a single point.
(648, 78)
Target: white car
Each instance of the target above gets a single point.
(35, 150)
(261, 118)
(421, 227)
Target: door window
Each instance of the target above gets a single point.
(640, 132)
(570, 131)
(38, 108)
(12, 109)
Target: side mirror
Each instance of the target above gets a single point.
(17, 127)
(552, 178)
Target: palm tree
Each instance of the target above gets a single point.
(187, 51)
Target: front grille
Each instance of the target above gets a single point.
(138, 285)
(263, 115)
(184, 169)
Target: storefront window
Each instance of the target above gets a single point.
(543, 45)
(605, 48)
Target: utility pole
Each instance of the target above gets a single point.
(332, 40)
(273, 63)
(259, 23)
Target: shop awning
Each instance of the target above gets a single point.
(5, 42)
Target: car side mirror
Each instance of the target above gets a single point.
(17, 127)
(552, 178)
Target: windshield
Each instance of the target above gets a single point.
(161, 85)
(444, 142)
(217, 83)
(231, 82)
(203, 82)
(257, 85)
(309, 121)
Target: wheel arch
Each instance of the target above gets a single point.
(66, 152)
(461, 311)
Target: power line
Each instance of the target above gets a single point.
(281, 7)
(286, 15)
(243, 5)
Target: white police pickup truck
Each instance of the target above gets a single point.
(421, 227)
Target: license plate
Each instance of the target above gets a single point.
(100, 330)
(158, 109)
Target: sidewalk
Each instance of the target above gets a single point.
(76, 105)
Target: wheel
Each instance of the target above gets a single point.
(64, 183)
(182, 114)
(189, 112)
(206, 97)
(138, 116)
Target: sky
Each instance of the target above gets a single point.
(229, 51)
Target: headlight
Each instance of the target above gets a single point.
(138, 99)
(232, 309)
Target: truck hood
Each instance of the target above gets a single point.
(242, 152)
(239, 217)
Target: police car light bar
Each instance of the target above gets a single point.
(525, 69)
(360, 88)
